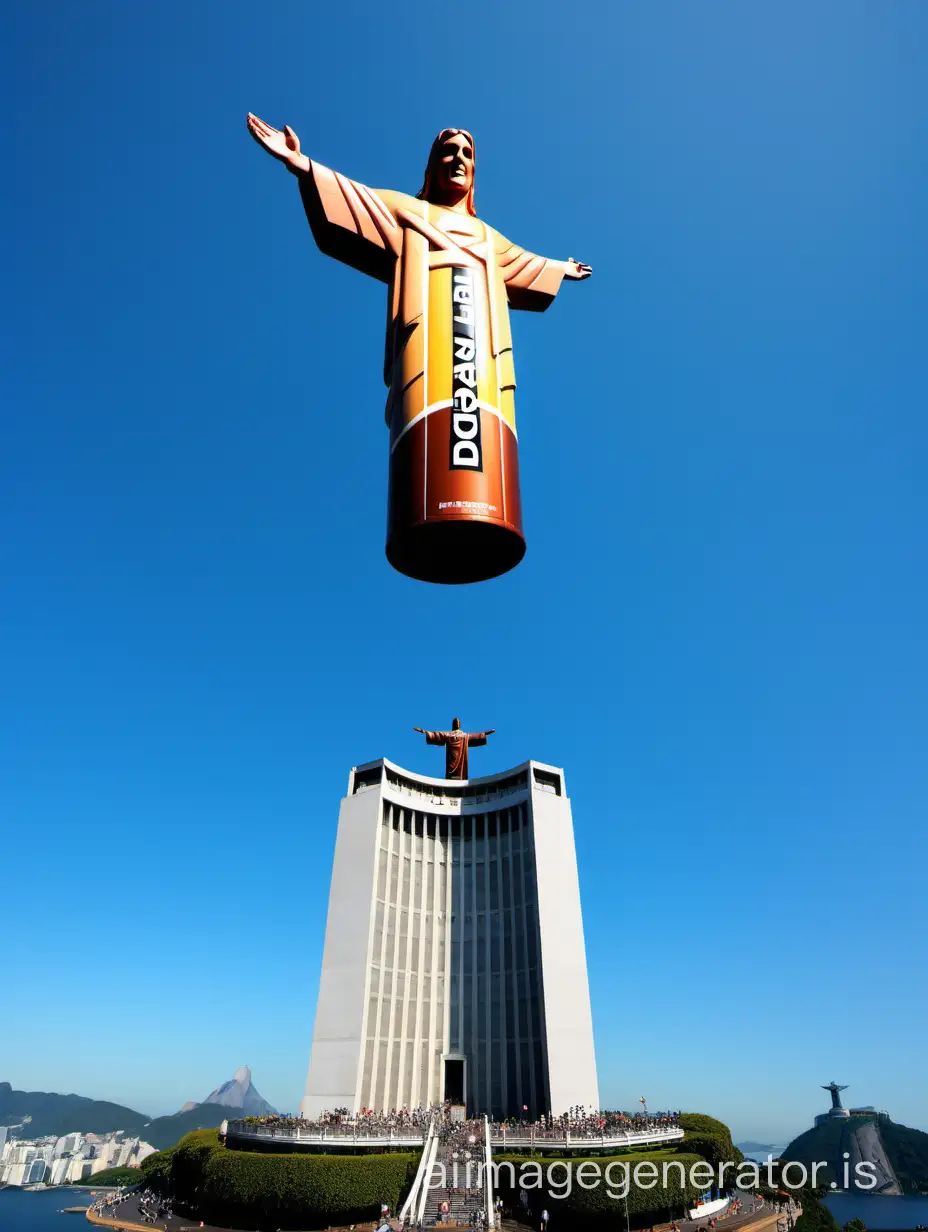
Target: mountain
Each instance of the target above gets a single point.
(47, 1113)
(51, 1113)
(237, 1097)
(899, 1154)
(168, 1130)
(240, 1096)
(760, 1150)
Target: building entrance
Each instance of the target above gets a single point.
(454, 1080)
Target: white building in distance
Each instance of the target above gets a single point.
(454, 964)
(72, 1158)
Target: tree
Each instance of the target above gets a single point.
(815, 1217)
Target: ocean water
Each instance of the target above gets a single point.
(21, 1211)
(879, 1214)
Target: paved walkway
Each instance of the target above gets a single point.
(126, 1217)
(765, 1217)
(762, 1220)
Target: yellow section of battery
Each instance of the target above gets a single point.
(441, 351)
(441, 345)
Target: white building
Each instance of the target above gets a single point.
(15, 1173)
(106, 1154)
(36, 1171)
(68, 1144)
(74, 1157)
(27, 1163)
(59, 1171)
(454, 963)
(79, 1169)
(132, 1152)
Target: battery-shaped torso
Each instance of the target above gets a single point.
(454, 508)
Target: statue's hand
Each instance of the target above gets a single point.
(577, 270)
(284, 146)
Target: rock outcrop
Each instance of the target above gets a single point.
(239, 1095)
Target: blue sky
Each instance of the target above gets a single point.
(718, 629)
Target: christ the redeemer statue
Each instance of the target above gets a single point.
(834, 1088)
(454, 508)
(456, 744)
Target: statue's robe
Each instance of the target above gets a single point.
(418, 249)
(456, 744)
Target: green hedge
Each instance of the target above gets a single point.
(156, 1170)
(594, 1208)
(249, 1189)
(114, 1176)
(242, 1189)
(815, 1217)
(708, 1138)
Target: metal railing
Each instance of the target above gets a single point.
(416, 1196)
(515, 1137)
(429, 1157)
(503, 1136)
(488, 1202)
(314, 1135)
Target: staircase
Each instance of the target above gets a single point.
(464, 1200)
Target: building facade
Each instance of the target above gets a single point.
(454, 964)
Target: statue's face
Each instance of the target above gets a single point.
(456, 167)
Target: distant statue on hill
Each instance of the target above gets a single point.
(834, 1088)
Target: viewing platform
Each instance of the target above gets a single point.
(309, 1137)
(555, 1140)
(298, 1136)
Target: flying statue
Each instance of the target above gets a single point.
(456, 744)
(454, 513)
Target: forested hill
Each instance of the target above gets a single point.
(51, 1113)
(167, 1130)
(67, 1114)
(905, 1148)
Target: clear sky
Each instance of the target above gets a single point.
(718, 629)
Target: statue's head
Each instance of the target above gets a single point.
(455, 724)
(449, 173)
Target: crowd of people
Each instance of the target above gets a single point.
(342, 1123)
(150, 1206)
(579, 1122)
(459, 1135)
(108, 1199)
(582, 1122)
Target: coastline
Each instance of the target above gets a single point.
(93, 1217)
(176, 1224)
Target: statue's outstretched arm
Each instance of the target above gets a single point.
(348, 220)
(576, 270)
(531, 281)
(479, 737)
(282, 145)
